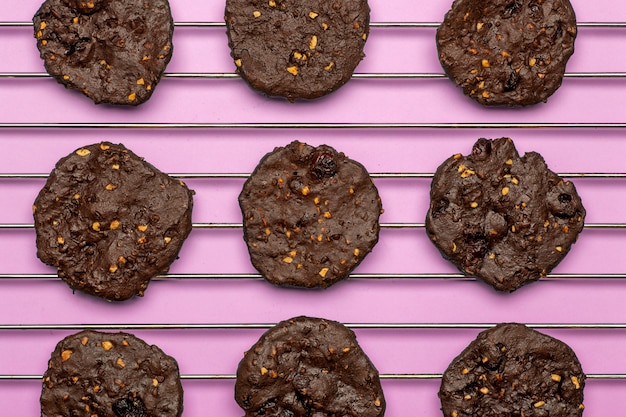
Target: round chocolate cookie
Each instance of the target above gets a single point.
(511, 370)
(113, 51)
(109, 221)
(503, 218)
(308, 367)
(297, 49)
(507, 52)
(110, 375)
(310, 215)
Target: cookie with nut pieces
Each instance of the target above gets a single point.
(507, 52)
(113, 51)
(110, 375)
(298, 49)
(512, 370)
(504, 218)
(310, 215)
(109, 221)
(308, 366)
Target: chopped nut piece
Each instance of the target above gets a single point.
(305, 190)
(313, 42)
(167, 239)
(114, 224)
(60, 240)
(83, 152)
(539, 404)
(264, 371)
(140, 81)
(84, 340)
(65, 355)
(112, 268)
(272, 3)
(330, 65)
(559, 249)
(575, 382)
(323, 272)
(120, 362)
(313, 15)
(106, 345)
(238, 62)
(155, 382)
(288, 259)
(293, 70)
(484, 390)
(377, 402)
(473, 204)
(256, 13)
(132, 96)
(479, 25)
(556, 378)
(505, 190)
(532, 62)
(96, 226)
(110, 187)
(142, 227)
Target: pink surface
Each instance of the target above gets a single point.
(382, 150)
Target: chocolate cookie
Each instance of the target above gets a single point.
(507, 52)
(109, 221)
(503, 218)
(310, 215)
(110, 375)
(308, 367)
(297, 49)
(113, 51)
(511, 370)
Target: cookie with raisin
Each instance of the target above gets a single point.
(112, 51)
(512, 370)
(110, 221)
(507, 52)
(504, 218)
(308, 366)
(298, 49)
(110, 375)
(310, 215)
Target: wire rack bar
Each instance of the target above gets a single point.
(232, 75)
(13, 226)
(377, 276)
(220, 24)
(386, 175)
(265, 326)
(215, 377)
(289, 125)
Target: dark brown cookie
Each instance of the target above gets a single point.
(310, 215)
(308, 367)
(110, 375)
(511, 370)
(297, 49)
(113, 51)
(109, 221)
(507, 52)
(503, 218)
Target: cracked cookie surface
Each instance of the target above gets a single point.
(112, 51)
(505, 218)
(308, 366)
(109, 221)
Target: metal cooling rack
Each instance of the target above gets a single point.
(348, 125)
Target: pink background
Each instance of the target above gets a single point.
(360, 300)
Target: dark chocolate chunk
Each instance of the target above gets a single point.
(109, 221)
(110, 375)
(511, 370)
(297, 49)
(503, 218)
(507, 52)
(113, 51)
(308, 367)
(310, 215)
